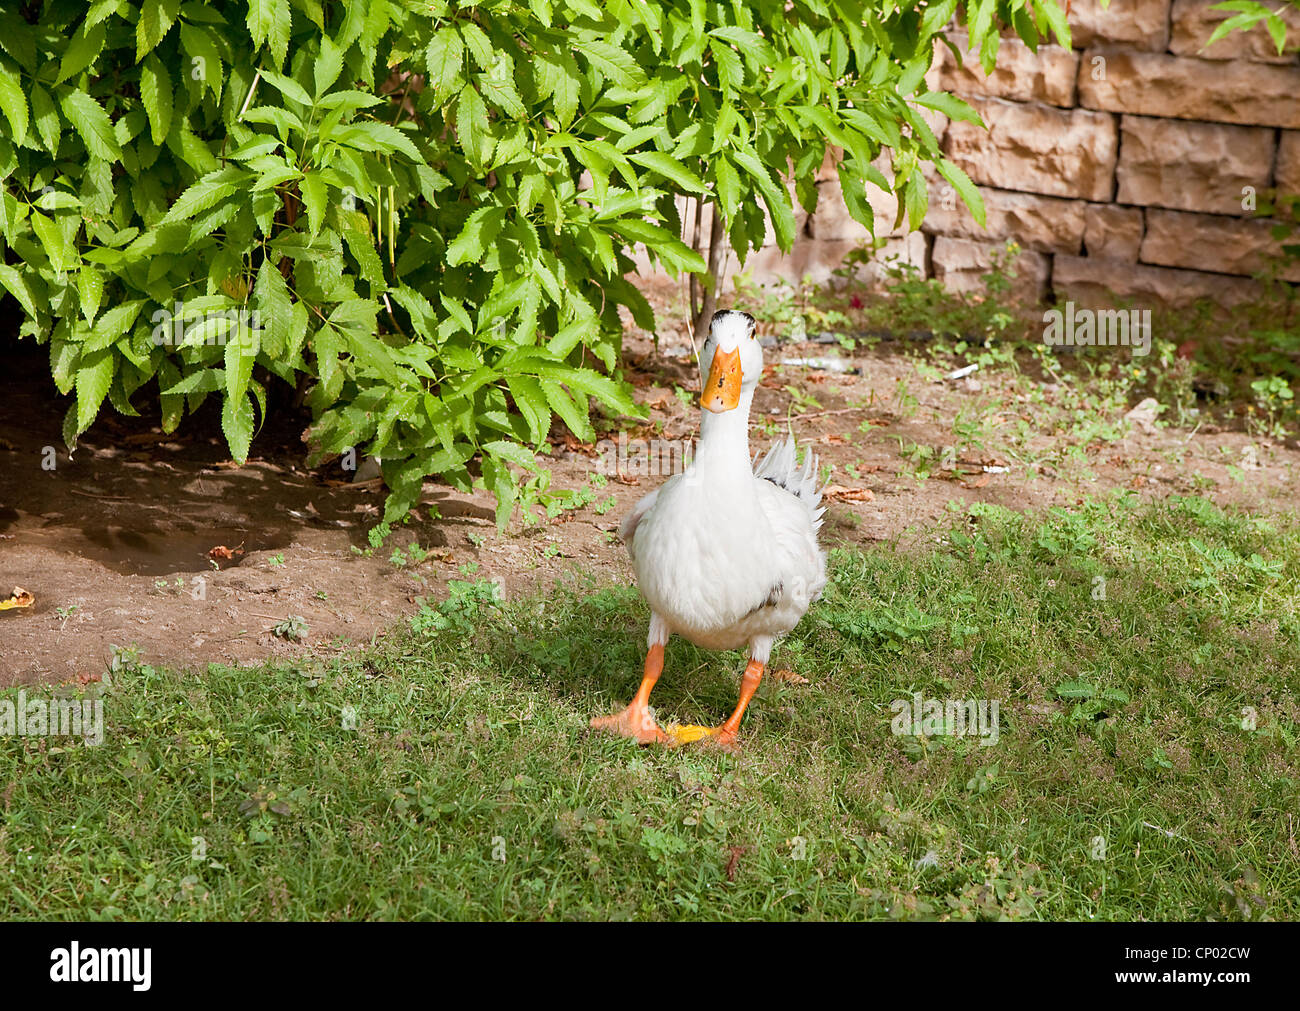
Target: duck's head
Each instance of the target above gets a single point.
(733, 359)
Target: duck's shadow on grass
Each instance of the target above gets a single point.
(590, 650)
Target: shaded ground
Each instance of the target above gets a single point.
(113, 542)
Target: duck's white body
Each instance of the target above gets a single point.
(726, 554)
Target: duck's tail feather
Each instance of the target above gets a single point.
(781, 467)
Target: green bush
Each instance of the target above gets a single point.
(421, 213)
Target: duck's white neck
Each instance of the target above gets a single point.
(723, 449)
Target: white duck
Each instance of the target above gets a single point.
(725, 554)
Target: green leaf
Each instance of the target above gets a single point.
(314, 192)
(531, 403)
(669, 168)
(156, 20)
(202, 381)
(372, 135)
(288, 87)
(966, 189)
(240, 353)
(269, 23)
(274, 307)
(477, 43)
(775, 197)
(90, 290)
(328, 65)
(471, 127)
(444, 58)
(206, 192)
(727, 181)
(572, 415)
(82, 51)
(568, 88)
(479, 231)
(950, 105)
(237, 425)
(113, 324)
(203, 62)
(94, 376)
(156, 95)
(613, 62)
(16, 284)
(348, 101)
(362, 249)
(46, 117)
(54, 242)
(91, 122)
(917, 200)
(13, 103)
(512, 452)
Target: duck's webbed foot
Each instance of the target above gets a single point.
(636, 721)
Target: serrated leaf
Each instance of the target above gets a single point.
(511, 452)
(155, 21)
(239, 353)
(328, 66)
(444, 57)
(16, 284)
(54, 242)
(477, 43)
(203, 62)
(471, 127)
(82, 50)
(90, 290)
(775, 197)
(363, 251)
(269, 23)
(314, 193)
(568, 89)
(91, 122)
(288, 87)
(950, 105)
(94, 376)
(966, 189)
(613, 62)
(372, 135)
(156, 95)
(480, 229)
(205, 193)
(203, 381)
(46, 118)
(13, 103)
(274, 307)
(237, 426)
(573, 416)
(669, 168)
(113, 324)
(727, 183)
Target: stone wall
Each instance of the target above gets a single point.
(1130, 164)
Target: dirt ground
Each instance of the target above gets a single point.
(114, 541)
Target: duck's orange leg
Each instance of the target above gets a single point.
(635, 721)
(725, 736)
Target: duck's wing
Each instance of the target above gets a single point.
(790, 499)
(781, 467)
(627, 529)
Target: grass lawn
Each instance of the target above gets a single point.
(1144, 659)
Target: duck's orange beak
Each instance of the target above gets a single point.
(722, 389)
